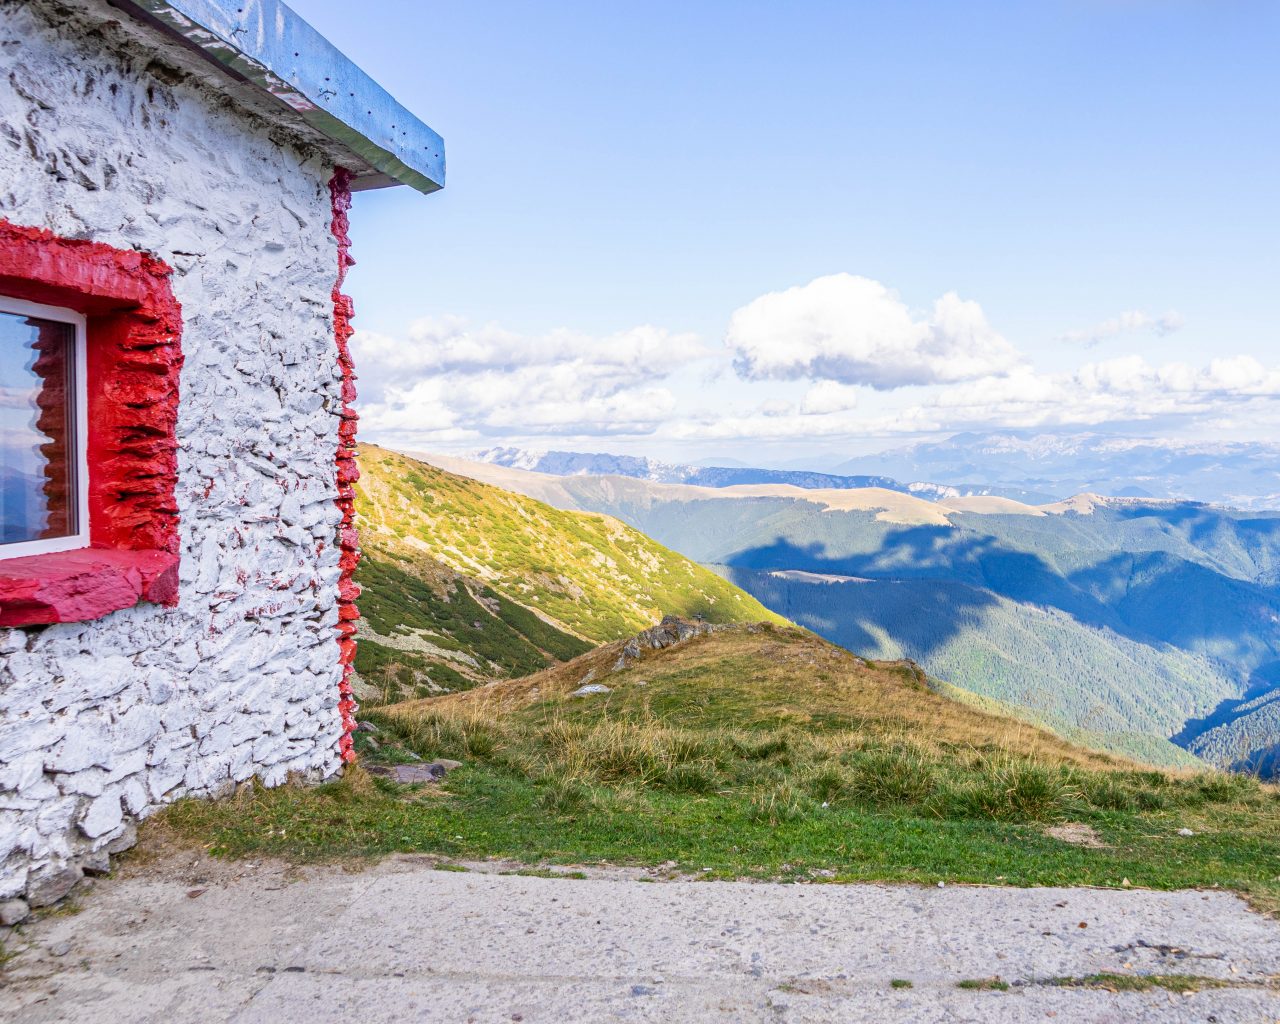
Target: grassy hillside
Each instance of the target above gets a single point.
(756, 679)
(428, 629)
(465, 583)
(766, 752)
(1128, 620)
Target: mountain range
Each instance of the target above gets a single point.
(1141, 626)
(1025, 465)
(560, 463)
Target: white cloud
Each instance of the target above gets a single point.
(828, 396)
(1232, 390)
(853, 330)
(18, 398)
(1114, 390)
(1131, 321)
(452, 345)
(451, 381)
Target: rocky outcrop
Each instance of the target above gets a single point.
(670, 631)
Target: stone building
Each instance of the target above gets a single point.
(176, 432)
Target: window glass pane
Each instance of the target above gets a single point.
(37, 445)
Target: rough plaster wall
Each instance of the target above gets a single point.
(102, 721)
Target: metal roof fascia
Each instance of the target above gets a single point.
(273, 48)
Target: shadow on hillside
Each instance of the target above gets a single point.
(944, 554)
(1263, 681)
(1159, 596)
(1151, 597)
(1201, 523)
(918, 615)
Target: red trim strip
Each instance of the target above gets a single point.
(347, 470)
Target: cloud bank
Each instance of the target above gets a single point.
(452, 380)
(840, 357)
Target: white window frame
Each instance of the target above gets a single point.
(79, 429)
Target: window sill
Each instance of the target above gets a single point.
(76, 586)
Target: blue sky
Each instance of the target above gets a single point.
(1095, 182)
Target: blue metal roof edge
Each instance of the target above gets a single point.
(273, 48)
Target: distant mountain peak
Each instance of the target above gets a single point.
(1240, 474)
(562, 463)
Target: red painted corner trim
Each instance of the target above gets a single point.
(75, 586)
(134, 361)
(347, 470)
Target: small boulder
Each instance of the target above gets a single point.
(589, 689)
(367, 727)
(408, 773)
(14, 912)
(628, 654)
(50, 886)
(445, 764)
(418, 773)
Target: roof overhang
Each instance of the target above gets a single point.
(267, 46)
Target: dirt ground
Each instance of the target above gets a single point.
(190, 939)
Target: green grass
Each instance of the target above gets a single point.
(548, 873)
(425, 600)
(488, 810)
(1145, 982)
(901, 983)
(811, 765)
(984, 984)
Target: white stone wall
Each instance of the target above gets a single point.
(103, 721)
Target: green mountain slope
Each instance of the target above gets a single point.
(465, 583)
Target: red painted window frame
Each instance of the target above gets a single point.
(134, 341)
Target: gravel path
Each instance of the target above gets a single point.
(402, 941)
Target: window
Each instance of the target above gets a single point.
(90, 363)
(43, 405)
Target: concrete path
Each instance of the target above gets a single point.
(198, 942)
